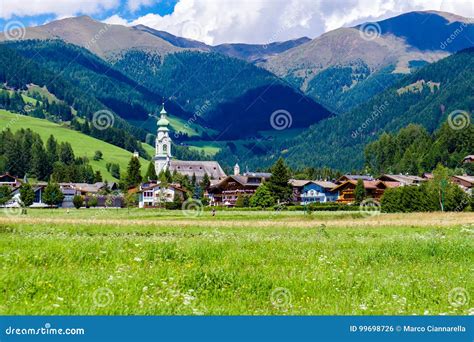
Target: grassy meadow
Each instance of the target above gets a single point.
(153, 262)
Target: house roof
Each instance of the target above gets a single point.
(355, 177)
(242, 180)
(258, 174)
(303, 182)
(389, 184)
(10, 176)
(468, 179)
(198, 168)
(299, 182)
(405, 179)
(325, 184)
(367, 184)
(152, 186)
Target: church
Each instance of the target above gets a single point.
(163, 157)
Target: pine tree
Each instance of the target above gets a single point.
(52, 149)
(27, 194)
(193, 180)
(97, 177)
(278, 182)
(151, 172)
(39, 165)
(359, 191)
(133, 176)
(205, 182)
(52, 194)
(66, 154)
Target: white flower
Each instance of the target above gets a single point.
(137, 259)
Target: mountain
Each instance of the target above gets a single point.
(231, 97)
(258, 52)
(130, 70)
(425, 97)
(399, 43)
(431, 30)
(102, 39)
(249, 52)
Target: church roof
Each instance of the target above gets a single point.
(197, 167)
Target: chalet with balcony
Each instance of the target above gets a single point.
(373, 189)
(227, 191)
(308, 191)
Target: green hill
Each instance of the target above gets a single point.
(83, 145)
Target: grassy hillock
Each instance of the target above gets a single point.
(83, 145)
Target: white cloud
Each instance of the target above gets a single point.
(134, 5)
(60, 8)
(116, 20)
(263, 21)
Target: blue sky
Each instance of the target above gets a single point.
(231, 21)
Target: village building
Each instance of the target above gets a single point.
(373, 189)
(227, 191)
(346, 178)
(404, 180)
(10, 181)
(308, 191)
(153, 194)
(163, 157)
(468, 159)
(69, 190)
(465, 182)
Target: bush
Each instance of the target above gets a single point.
(78, 201)
(98, 155)
(93, 202)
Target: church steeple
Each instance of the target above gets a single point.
(163, 143)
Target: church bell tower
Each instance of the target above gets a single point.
(163, 144)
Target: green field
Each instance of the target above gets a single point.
(82, 144)
(115, 261)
